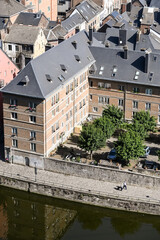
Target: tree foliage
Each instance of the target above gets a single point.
(113, 113)
(144, 118)
(91, 138)
(106, 125)
(129, 146)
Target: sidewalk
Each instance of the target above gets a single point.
(78, 183)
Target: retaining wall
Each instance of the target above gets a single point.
(92, 198)
(101, 173)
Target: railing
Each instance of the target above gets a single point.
(79, 190)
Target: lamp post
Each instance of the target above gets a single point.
(35, 170)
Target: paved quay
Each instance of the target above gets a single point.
(67, 181)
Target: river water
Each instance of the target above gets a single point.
(26, 216)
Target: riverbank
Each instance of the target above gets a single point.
(73, 188)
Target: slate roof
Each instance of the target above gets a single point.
(72, 22)
(49, 64)
(110, 58)
(3, 23)
(59, 31)
(28, 18)
(10, 7)
(88, 9)
(155, 3)
(22, 34)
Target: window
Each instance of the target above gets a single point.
(148, 106)
(1, 83)
(13, 102)
(57, 136)
(100, 84)
(76, 82)
(14, 115)
(32, 119)
(10, 47)
(91, 83)
(33, 147)
(159, 108)
(14, 143)
(32, 106)
(120, 102)
(90, 97)
(14, 131)
(53, 140)
(33, 134)
(53, 113)
(95, 109)
(136, 90)
(48, 8)
(104, 100)
(57, 125)
(17, 48)
(70, 113)
(84, 102)
(159, 118)
(107, 85)
(121, 88)
(57, 109)
(135, 104)
(57, 97)
(67, 89)
(53, 101)
(53, 128)
(148, 91)
(80, 105)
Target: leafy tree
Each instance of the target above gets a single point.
(106, 125)
(129, 146)
(137, 127)
(144, 118)
(113, 113)
(158, 153)
(91, 138)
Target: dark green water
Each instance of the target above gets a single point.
(27, 216)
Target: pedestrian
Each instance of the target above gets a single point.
(125, 185)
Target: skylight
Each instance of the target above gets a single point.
(61, 78)
(63, 67)
(136, 75)
(114, 69)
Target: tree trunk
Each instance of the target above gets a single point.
(91, 154)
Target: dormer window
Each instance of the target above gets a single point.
(77, 58)
(61, 78)
(114, 71)
(150, 77)
(48, 77)
(63, 67)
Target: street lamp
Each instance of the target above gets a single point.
(35, 170)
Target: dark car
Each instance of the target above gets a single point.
(112, 155)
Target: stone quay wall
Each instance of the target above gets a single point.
(83, 196)
(102, 173)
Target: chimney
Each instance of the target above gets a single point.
(74, 43)
(123, 8)
(147, 60)
(90, 34)
(138, 35)
(125, 53)
(122, 37)
(107, 44)
(77, 30)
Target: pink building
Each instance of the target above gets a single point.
(8, 70)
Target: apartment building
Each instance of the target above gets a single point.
(48, 7)
(45, 102)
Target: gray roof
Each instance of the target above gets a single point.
(155, 3)
(22, 34)
(143, 2)
(88, 9)
(3, 23)
(113, 58)
(72, 22)
(59, 31)
(48, 66)
(28, 18)
(51, 24)
(10, 7)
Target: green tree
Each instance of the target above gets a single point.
(91, 138)
(158, 153)
(113, 113)
(106, 125)
(137, 127)
(144, 118)
(129, 146)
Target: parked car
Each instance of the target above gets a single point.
(150, 165)
(147, 152)
(112, 155)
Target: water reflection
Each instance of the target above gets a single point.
(28, 216)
